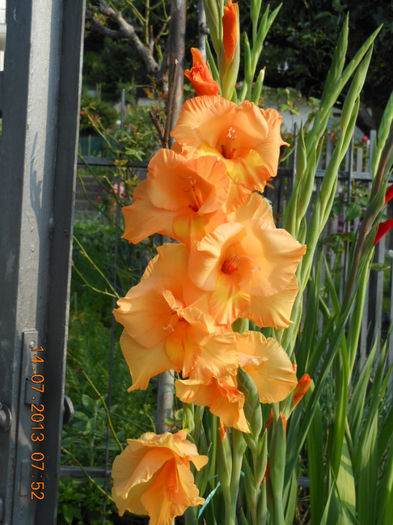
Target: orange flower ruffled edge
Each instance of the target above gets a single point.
(152, 476)
(246, 138)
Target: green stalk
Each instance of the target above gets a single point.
(337, 435)
(108, 416)
(191, 516)
(250, 491)
(255, 9)
(315, 453)
(97, 269)
(214, 22)
(383, 133)
(262, 507)
(91, 480)
(224, 471)
(238, 449)
(277, 470)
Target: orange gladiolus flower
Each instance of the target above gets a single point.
(301, 389)
(164, 332)
(230, 29)
(152, 476)
(248, 268)
(181, 198)
(269, 366)
(199, 75)
(220, 395)
(245, 137)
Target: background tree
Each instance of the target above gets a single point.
(300, 45)
(126, 40)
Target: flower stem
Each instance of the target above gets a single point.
(91, 480)
(108, 417)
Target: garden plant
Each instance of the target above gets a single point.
(264, 351)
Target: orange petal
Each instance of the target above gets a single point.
(172, 260)
(273, 310)
(181, 197)
(145, 314)
(254, 207)
(172, 177)
(217, 356)
(238, 194)
(170, 494)
(208, 256)
(220, 395)
(279, 258)
(177, 443)
(247, 138)
(227, 302)
(144, 363)
(218, 122)
(242, 264)
(269, 150)
(142, 219)
(137, 465)
(274, 376)
(182, 348)
(152, 476)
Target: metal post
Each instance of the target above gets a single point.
(40, 105)
(202, 28)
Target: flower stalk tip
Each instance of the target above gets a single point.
(301, 389)
(199, 75)
(230, 27)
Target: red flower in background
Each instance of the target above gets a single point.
(385, 226)
(383, 229)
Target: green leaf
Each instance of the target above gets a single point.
(368, 473)
(354, 210)
(356, 406)
(345, 485)
(386, 433)
(301, 154)
(315, 454)
(257, 90)
(383, 133)
(385, 492)
(325, 515)
(290, 496)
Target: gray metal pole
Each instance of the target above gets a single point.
(40, 105)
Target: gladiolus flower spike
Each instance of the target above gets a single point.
(231, 262)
